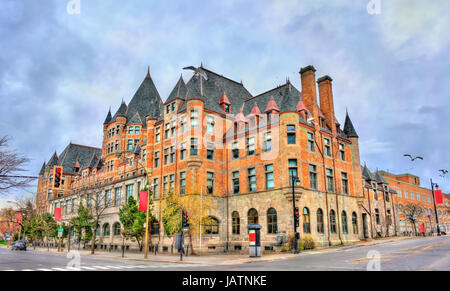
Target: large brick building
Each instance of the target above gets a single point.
(213, 137)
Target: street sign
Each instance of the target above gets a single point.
(7, 234)
(60, 229)
(60, 234)
(185, 229)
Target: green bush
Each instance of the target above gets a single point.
(308, 243)
(2, 242)
(305, 243)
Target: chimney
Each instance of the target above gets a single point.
(309, 95)
(326, 101)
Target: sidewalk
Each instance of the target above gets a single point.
(216, 259)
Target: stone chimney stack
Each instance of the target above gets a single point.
(326, 101)
(309, 93)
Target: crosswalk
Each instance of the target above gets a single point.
(109, 267)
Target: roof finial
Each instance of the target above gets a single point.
(201, 64)
(148, 71)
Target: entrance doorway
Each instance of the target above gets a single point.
(364, 221)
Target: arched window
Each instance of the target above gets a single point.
(332, 221)
(355, 223)
(106, 229)
(377, 215)
(252, 216)
(320, 228)
(272, 226)
(210, 225)
(97, 230)
(236, 223)
(344, 222)
(116, 228)
(306, 221)
(155, 227)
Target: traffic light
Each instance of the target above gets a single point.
(185, 219)
(57, 175)
(296, 217)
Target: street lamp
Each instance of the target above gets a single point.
(434, 202)
(295, 181)
(146, 221)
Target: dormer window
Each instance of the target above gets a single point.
(173, 106)
(137, 130)
(226, 108)
(130, 129)
(168, 109)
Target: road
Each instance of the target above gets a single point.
(431, 253)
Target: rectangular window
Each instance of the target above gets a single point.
(172, 154)
(183, 151)
(194, 118)
(210, 151)
(342, 151)
(405, 194)
(193, 147)
(269, 177)
(156, 159)
(330, 180)
(227, 108)
(168, 109)
(130, 129)
(292, 170)
(166, 184)
(173, 106)
(130, 191)
(268, 141)
(210, 124)
(235, 150)
(210, 182)
(313, 177)
(251, 179)
(167, 131)
(158, 134)
(311, 145)
(344, 180)
(172, 182)
(166, 156)
(108, 195)
(155, 187)
(183, 183)
(327, 147)
(130, 145)
(183, 124)
(118, 196)
(137, 130)
(290, 134)
(250, 146)
(235, 177)
(412, 195)
(117, 145)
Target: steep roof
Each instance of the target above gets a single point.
(178, 92)
(74, 153)
(271, 105)
(136, 119)
(367, 174)
(108, 117)
(379, 178)
(121, 111)
(146, 101)
(349, 130)
(42, 171)
(53, 160)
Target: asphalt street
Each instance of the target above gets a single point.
(429, 253)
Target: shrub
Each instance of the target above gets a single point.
(308, 243)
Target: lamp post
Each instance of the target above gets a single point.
(295, 181)
(434, 202)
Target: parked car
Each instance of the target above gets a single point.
(19, 245)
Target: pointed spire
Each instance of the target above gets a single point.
(271, 105)
(349, 130)
(224, 99)
(255, 110)
(108, 117)
(240, 116)
(42, 171)
(148, 72)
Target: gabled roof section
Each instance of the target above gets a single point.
(213, 89)
(255, 110)
(108, 117)
(42, 171)
(178, 92)
(74, 153)
(146, 100)
(122, 111)
(379, 178)
(349, 130)
(271, 105)
(53, 160)
(224, 99)
(367, 174)
(136, 119)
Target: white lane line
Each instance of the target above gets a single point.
(102, 268)
(47, 270)
(128, 267)
(8, 270)
(88, 268)
(73, 269)
(114, 267)
(141, 267)
(27, 270)
(59, 269)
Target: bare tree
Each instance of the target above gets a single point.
(97, 205)
(412, 211)
(11, 163)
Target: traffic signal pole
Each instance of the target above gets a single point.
(296, 214)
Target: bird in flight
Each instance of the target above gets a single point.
(413, 158)
(443, 172)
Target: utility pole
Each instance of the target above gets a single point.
(295, 180)
(435, 210)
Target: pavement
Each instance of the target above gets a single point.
(397, 253)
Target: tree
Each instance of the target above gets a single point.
(133, 220)
(96, 206)
(83, 223)
(412, 211)
(50, 227)
(11, 163)
(171, 214)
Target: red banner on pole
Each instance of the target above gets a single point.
(57, 214)
(143, 200)
(18, 217)
(438, 196)
(422, 228)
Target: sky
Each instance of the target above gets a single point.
(60, 72)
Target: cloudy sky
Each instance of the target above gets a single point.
(60, 72)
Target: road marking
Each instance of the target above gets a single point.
(100, 267)
(73, 269)
(27, 270)
(59, 269)
(9, 270)
(47, 270)
(114, 267)
(88, 268)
